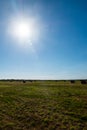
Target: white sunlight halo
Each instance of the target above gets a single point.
(25, 30)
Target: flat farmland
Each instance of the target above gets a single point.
(43, 105)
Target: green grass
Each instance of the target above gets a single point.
(43, 105)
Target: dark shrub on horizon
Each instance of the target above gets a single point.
(83, 82)
(30, 80)
(56, 80)
(11, 80)
(64, 80)
(72, 81)
(24, 81)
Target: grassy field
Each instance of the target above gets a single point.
(43, 105)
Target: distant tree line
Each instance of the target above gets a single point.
(83, 81)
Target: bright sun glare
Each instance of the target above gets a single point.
(24, 30)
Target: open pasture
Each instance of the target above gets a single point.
(43, 105)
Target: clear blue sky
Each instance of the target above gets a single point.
(61, 53)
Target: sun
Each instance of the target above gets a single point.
(24, 30)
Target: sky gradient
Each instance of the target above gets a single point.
(61, 51)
